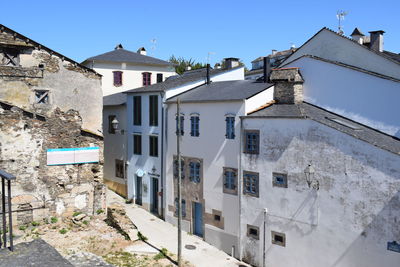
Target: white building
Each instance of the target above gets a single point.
(211, 158)
(146, 124)
(122, 70)
(318, 189)
(358, 81)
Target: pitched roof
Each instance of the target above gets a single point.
(277, 54)
(126, 56)
(222, 91)
(382, 54)
(308, 111)
(357, 31)
(180, 80)
(51, 51)
(114, 99)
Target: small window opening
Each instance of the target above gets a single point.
(41, 97)
(217, 217)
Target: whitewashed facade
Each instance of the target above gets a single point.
(218, 221)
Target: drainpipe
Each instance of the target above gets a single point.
(240, 188)
(265, 221)
(162, 155)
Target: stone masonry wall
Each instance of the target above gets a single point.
(40, 190)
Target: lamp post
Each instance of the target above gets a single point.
(311, 181)
(115, 124)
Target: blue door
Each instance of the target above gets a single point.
(198, 219)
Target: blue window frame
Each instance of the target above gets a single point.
(195, 125)
(250, 183)
(279, 180)
(183, 205)
(230, 127)
(230, 180)
(252, 141)
(181, 124)
(194, 172)
(182, 168)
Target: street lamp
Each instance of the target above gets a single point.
(311, 181)
(115, 124)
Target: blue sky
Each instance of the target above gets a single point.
(192, 29)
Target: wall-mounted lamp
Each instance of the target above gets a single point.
(311, 181)
(115, 124)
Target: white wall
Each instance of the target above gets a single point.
(362, 97)
(114, 144)
(217, 152)
(131, 76)
(259, 99)
(329, 45)
(347, 222)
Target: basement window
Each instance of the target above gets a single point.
(278, 238)
(42, 97)
(279, 180)
(253, 231)
(217, 217)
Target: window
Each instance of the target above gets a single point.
(159, 78)
(182, 120)
(137, 110)
(42, 97)
(251, 141)
(253, 231)
(9, 57)
(230, 181)
(217, 217)
(153, 145)
(117, 78)
(176, 168)
(195, 125)
(183, 206)
(278, 238)
(153, 112)
(137, 144)
(146, 78)
(279, 180)
(110, 126)
(230, 127)
(194, 172)
(119, 168)
(250, 183)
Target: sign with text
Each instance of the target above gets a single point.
(63, 156)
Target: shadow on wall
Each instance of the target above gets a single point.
(384, 228)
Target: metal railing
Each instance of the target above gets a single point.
(3, 239)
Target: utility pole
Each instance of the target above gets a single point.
(178, 151)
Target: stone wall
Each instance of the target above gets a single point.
(40, 190)
(288, 85)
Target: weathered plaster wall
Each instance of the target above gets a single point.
(70, 85)
(347, 222)
(48, 190)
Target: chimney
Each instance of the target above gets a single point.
(208, 74)
(231, 62)
(119, 46)
(376, 40)
(217, 66)
(357, 36)
(142, 51)
(274, 51)
(288, 88)
(266, 68)
(188, 67)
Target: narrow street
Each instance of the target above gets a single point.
(164, 235)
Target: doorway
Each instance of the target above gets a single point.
(154, 190)
(198, 219)
(138, 190)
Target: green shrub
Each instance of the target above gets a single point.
(76, 213)
(63, 231)
(99, 211)
(54, 219)
(161, 255)
(35, 223)
(85, 222)
(23, 227)
(141, 236)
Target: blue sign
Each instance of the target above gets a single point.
(393, 246)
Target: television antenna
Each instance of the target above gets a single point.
(340, 16)
(153, 45)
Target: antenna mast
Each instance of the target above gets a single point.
(153, 45)
(340, 16)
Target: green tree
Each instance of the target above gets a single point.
(181, 64)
